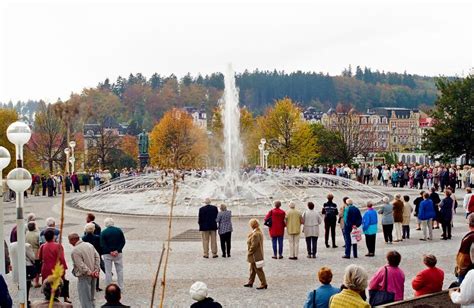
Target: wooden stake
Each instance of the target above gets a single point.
(156, 277)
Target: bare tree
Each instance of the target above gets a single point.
(102, 144)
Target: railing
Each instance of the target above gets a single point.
(435, 300)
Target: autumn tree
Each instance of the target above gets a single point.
(102, 145)
(288, 136)
(49, 137)
(175, 142)
(7, 117)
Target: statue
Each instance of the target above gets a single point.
(143, 143)
(143, 155)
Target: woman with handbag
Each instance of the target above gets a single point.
(275, 221)
(387, 284)
(255, 255)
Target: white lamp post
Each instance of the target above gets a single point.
(265, 159)
(67, 151)
(4, 161)
(19, 180)
(261, 147)
(72, 144)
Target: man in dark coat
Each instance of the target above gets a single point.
(208, 226)
(330, 213)
(434, 196)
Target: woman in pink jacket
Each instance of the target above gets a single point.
(395, 276)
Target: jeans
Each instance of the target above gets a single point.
(225, 243)
(347, 241)
(118, 261)
(330, 225)
(446, 229)
(406, 231)
(312, 245)
(387, 233)
(279, 240)
(370, 242)
(86, 291)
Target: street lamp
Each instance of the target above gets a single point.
(72, 144)
(67, 151)
(4, 161)
(265, 159)
(261, 147)
(19, 180)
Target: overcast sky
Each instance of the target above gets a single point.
(49, 49)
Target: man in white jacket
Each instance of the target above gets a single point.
(464, 296)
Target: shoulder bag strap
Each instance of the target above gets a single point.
(386, 279)
(314, 298)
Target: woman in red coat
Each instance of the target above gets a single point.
(429, 280)
(49, 254)
(277, 229)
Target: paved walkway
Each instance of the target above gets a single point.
(289, 281)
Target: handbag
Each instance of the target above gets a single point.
(259, 264)
(380, 297)
(31, 272)
(356, 236)
(65, 288)
(268, 221)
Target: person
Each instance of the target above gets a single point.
(277, 228)
(47, 290)
(407, 210)
(387, 220)
(446, 214)
(355, 283)
(352, 220)
(5, 298)
(224, 226)
(429, 280)
(330, 213)
(90, 218)
(417, 202)
(208, 226)
(426, 215)
(434, 196)
(468, 201)
(50, 225)
(255, 254)
(391, 275)
(320, 297)
(465, 294)
(198, 292)
(398, 217)
(94, 240)
(32, 238)
(113, 295)
(112, 242)
(311, 221)
(29, 261)
(86, 268)
(465, 255)
(49, 254)
(75, 182)
(293, 221)
(341, 218)
(369, 227)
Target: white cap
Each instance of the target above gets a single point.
(198, 291)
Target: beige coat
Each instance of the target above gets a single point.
(293, 221)
(311, 221)
(407, 210)
(85, 258)
(255, 246)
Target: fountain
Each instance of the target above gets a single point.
(248, 194)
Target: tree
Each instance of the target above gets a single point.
(453, 130)
(288, 136)
(330, 145)
(102, 146)
(7, 117)
(49, 137)
(129, 145)
(175, 142)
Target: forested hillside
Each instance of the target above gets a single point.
(142, 101)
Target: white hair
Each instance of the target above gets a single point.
(31, 217)
(355, 278)
(207, 201)
(292, 205)
(398, 196)
(89, 228)
(50, 222)
(385, 199)
(108, 222)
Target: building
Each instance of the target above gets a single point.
(311, 115)
(403, 126)
(199, 116)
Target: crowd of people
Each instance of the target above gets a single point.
(95, 250)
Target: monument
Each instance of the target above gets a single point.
(143, 144)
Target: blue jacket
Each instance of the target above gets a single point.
(352, 218)
(5, 299)
(369, 222)
(323, 295)
(446, 210)
(426, 210)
